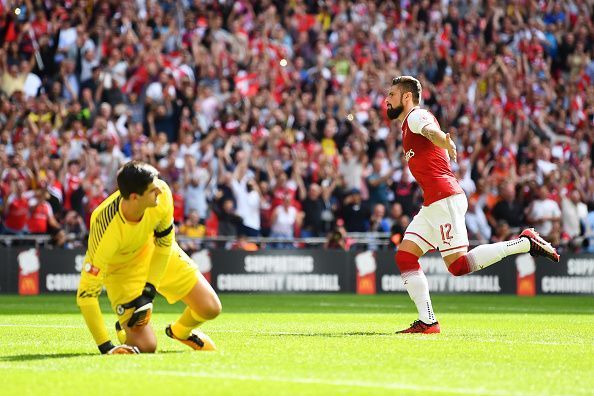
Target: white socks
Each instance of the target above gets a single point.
(485, 255)
(477, 259)
(418, 290)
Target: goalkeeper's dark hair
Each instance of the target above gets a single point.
(135, 177)
(409, 84)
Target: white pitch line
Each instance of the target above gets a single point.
(319, 381)
(308, 381)
(361, 305)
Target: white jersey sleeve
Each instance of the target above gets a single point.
(418, 119)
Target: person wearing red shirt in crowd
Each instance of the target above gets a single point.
(16, 209)
(18, 171)
(41, 219)
(284, 186)
(40, 24)
(178, 203)
(8, 178)
(513, 108)
(95, 194)
(440, 224)
(55, 190)
(72, 182)
(286, 218)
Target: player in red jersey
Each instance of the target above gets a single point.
(440, 223)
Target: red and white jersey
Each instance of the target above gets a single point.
(429, 164)
(17, 212)
(39, 218)
(72, 183)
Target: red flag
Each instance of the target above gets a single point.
(247, 84)
(11, 34)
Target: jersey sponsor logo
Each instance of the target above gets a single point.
(91, 269)
(409, 154)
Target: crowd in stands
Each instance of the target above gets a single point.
(267, 117)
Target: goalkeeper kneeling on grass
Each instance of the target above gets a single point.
(133, 253)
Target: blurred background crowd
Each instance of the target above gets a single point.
(267, 117)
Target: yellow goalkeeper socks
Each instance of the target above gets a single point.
(188, 321)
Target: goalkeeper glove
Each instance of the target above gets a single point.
(107, 348)
(143, 306)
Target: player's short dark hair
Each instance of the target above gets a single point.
(409, 84)
(135, 177)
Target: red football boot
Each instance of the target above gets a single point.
(538, 246)
(421, 327)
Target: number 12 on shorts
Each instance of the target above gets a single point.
(446, 229)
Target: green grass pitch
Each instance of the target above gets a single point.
(312, 345)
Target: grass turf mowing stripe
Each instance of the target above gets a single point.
(312, 334)
(312, 345)
(309, 381)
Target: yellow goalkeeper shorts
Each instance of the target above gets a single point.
(127, 284)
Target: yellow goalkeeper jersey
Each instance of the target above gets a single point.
(118, 251)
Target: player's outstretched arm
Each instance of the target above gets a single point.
(440, 139)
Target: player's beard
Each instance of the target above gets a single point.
(394, 112)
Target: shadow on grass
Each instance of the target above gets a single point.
(42, 356)
(46, 356)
